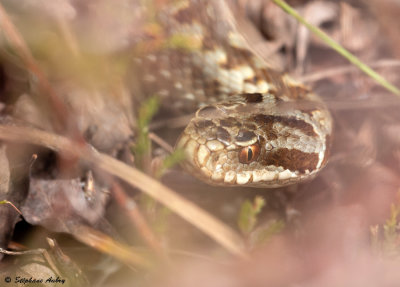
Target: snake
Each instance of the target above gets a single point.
(252, 126)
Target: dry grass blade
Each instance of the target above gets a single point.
(107, 245)
(389, 63)
(186, 209)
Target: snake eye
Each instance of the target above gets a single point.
(249, 153)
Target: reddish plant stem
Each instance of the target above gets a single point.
(131, 209)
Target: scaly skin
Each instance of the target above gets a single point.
(255, 126)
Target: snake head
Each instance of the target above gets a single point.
(240, 144)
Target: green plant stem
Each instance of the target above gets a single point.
(338, 48)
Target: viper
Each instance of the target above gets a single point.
(253, 125)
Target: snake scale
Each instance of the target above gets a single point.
(253, 126)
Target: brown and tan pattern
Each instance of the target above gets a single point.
(255, 126)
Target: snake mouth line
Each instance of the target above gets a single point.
(207, 165)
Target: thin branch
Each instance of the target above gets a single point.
(162, 143)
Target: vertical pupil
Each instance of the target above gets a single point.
(249, 154)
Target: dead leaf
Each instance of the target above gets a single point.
(61, 205)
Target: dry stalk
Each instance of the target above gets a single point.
(106, 244)
(217, 230)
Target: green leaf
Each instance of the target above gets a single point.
(263, 234)
(157, 215)
(387, 243)
(174, 158)
(142, 147)
(248, 214)
(390, 232)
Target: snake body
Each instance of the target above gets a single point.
(253, 125)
